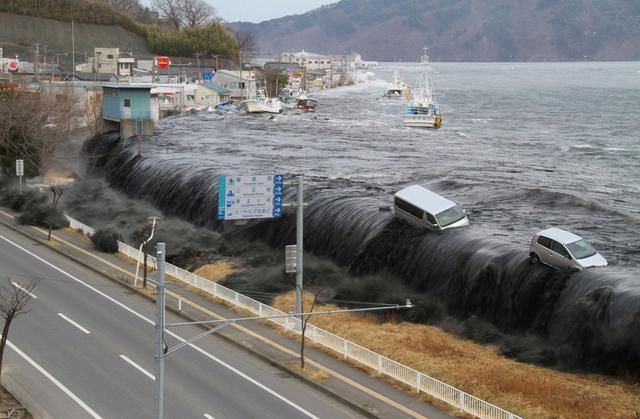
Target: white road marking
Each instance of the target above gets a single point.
(208, 416)
(54, 381)
(74, 323)
(140, 316)
(32, 295)
(139, 368)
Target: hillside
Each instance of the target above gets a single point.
(19, 33)
(461, 30)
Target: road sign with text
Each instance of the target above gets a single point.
(250, 197)
(19, 167)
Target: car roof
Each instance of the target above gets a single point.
(424, 199)
(562, 236)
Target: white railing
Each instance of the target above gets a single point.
(349, 350)
(77, 225)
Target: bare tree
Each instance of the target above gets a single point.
(196, 12)
(33, 124)
(247, 44)
(14, 299)
(56, 192)
(305, 320)
(170, 10)
(132, 7)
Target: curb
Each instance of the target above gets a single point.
(227, 339)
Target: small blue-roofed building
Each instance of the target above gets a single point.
(127, 107)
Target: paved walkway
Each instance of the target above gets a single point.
(368, 394)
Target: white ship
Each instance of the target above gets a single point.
(423, 110)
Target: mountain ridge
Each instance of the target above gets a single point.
(460, 30)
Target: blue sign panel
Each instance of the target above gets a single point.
(249, 197)
(208, 75)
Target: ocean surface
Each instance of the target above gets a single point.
(524, 146)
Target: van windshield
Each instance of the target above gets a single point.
(450, 216)
(581, 249)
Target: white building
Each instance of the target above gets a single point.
(240, 88)
(108, 61)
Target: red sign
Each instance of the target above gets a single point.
(163, 63)
(13, 65)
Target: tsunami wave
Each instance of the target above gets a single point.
(589, 319)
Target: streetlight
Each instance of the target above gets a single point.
(152, 221)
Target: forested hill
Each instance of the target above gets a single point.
(461, 30)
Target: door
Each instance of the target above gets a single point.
(126, 108)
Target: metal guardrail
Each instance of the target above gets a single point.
(349, 350)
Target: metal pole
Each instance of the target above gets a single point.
(299, 246)
(159, 357)
(73, 52)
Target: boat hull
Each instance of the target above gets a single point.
(422, 121)
(251, 106)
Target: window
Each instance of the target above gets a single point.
(544, 242)
(407, 207)
(430, 218)
(450, 216)
(559, 248)
(127, 103)
(581, 249)
(109, 57)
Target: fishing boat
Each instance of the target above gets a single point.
(262, 103)
(398, 88)
(423, 111)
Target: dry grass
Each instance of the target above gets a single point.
(311, 373)
(216, 271)
(524, 389)
(78, 234)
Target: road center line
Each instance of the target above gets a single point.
(208, 416)
(74, 323)
(54, 381)
(142, 317)
(138, 367)
(30, 294)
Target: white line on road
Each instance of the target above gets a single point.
(151, 322)
(54, 381)
(208, 416)
(74, 323)
(138, 367)
(32, 295)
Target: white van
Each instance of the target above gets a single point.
(423, 208)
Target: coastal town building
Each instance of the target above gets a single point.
(109, 61)
(241, 85)
(127, 108)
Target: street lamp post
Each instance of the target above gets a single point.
(153, 221)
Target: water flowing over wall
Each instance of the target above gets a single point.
(591, 318)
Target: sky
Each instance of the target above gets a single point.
(260, 10)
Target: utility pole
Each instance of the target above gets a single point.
(73, 52)
(216, 57)
(197, 54)
(160, 346)
(299, 245)
(36, 59)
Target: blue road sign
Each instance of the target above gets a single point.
(250, 197)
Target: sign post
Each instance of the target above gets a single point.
(250, 197)
(20, 172)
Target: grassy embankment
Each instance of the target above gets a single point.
(524, 389)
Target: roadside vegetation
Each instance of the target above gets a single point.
(527, 390)
(174, 27)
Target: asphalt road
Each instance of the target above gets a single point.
(85, 349)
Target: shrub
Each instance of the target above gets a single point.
(106, 240)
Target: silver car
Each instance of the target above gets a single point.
(563, 250)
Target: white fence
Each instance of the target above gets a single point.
(349, 350)
(77, 225)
